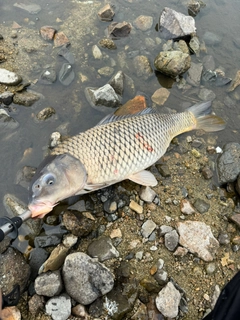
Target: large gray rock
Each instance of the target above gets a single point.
(85, 278)
(172, 63)
(174, 24)
(197, 237)
(228, 163)
(48, 284)
(9, 77)
(167, 301)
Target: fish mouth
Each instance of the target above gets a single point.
(40, 209)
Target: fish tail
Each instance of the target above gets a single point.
(204, 119)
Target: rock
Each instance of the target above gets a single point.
(236, 219)
(45, 113)
(66, 54)
(147, 228)
(9, 78)
(206, 94)
(207, 172)
(194, 74)
(143, 23)
(116, 233)
(60, 39)
(173, 24)
(135, 207)
(235, 83)
(147, 194)
(211, 39)
(106, 13)
(223, 238)
(164, 229)
(37, 257)
(59, 308)
(194, 8)
(214, 78)
(117, 82)
(7, 122)
(77, 223)
(102, 249)
(180, 46)
(171, 240)
(66, 74)
(119, 29)
(31, 8)
(180, 252)
(80, 312)
(228, 163)
(55, 260)
(186, 207)
(86, 279)
(11, 313)
(6, 98)
(36, 305)
(47, 32)
(132, 106)
(48, 76)
(25, 98)
(172, 63)
(108, 43)
(197, 237)
(142, 67)
(13, 270)
(160, 96)
(97, 53)
(106, 71)
(48, 284)
(161, 276)
(47, 241)
(201, 206)
(168, 300)
(163, 169)
(103, 96)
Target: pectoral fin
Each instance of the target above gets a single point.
(144, 177)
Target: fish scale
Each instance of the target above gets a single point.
(113, 151)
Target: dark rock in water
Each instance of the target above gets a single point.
(9, 78)
(25, 98)
(47, 241)
(173, 24)
(103, 96)
(24, 176)
(5, 243)
(14, 270)
(48, 284)
(47, 32)
(106, 13)
(6, 98)
(77, 223)
(48, 76)
(45, 113)
(66, 74)
(66, 54)
(214, 78)
(103, 249)
(172, 63)
(7, 122)
(86, 279)
(117, 82)
(59, 308)
(37, 257)
(211, 39)
(228, 163)
(194, 74)
(119, 29)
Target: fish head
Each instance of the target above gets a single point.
(57, 178)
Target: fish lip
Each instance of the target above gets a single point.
(39, 208)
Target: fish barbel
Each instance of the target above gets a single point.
(118, 148)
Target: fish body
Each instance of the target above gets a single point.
(118, 148)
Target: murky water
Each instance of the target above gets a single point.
(84, 30)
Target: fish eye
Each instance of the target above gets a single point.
(49, 179)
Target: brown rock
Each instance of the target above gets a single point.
(106, 13)
(60, 39)
(143, 23)
(186, 207)
(11, 313)
(36, 304)
(47, 32)
(160, 96)
(119, 29)
(132, 106)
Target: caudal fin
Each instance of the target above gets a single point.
(204, 119)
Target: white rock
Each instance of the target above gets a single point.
(167, 301)
(9, 77)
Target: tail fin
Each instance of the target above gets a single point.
(204, 119)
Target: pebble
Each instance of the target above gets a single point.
(103, 249)
(9, 77)
(160, 96)
(48, 76)
(106, 13)
(36, 304)
(45, 113)
(86, 279)
(10, 313)
(59, 308)
(78, 224)
(7, 122)
(143, 23)
(201, 206)
(26, 98)
(97, 53)
(55, 139)
(147, 194)
(180, 252)
(80, 312)
(135, 207)
(223, 238)
(168, 300)
(116, 233)
(47, 32)
(117, 82)
(206, 94)
(103, 96)
(119, 29)
(161, 276)
(197, 237)
(107, 43)
(211, 39)
(164, 229)
(236, 219)
(47, 241)
(147, 228)
(60, 39)
(48, 284)
(37, 257)
(171, 240)
(211, 268)
(194, 74)
(186, 207)
(6, 98)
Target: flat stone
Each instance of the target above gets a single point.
(47, 32)
(9, 78)
(97, 53)
(168, 300)
(143, 23)
(147, 228)
(197, 237)
(135, 207)
(147, 194)
(86, 279)
(103, 96)
(103, 249)
(160, 96)
(211, 39)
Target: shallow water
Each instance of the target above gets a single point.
(220, 17)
